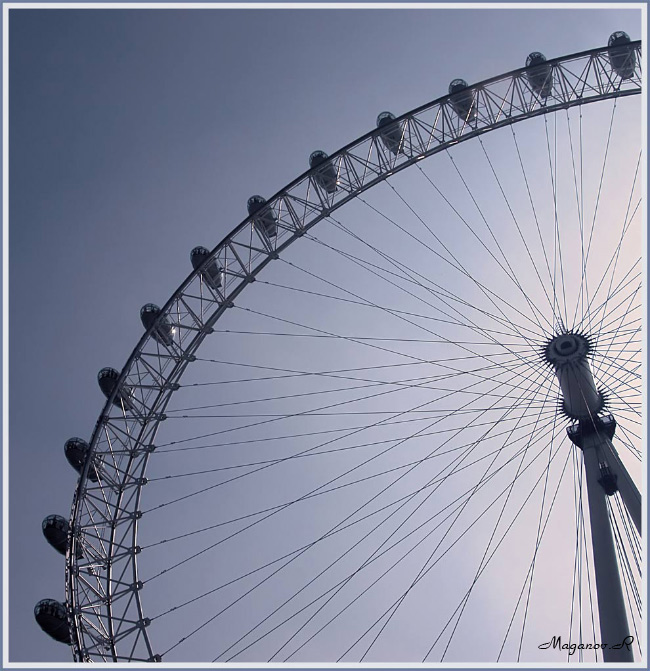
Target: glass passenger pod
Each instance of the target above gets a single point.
(462, 100)
(164, 331)
(212, 273)
(390, 132)
(325, 176)
(539, 74)
(76, 451)
(107, 379)
(621, 55)
(55, 530)
(265, 219)
(51, 617)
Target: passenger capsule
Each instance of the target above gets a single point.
(539, 74)
(52, 619)
(55, 530)
(325, 176)
(107, 378)
(76, 452)
(462, 100)
(621, 54)
(211, 274)
(164, 331)
(390, 132)
(265, 219)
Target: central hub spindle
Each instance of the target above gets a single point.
(568, 353)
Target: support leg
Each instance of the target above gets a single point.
(614, 628)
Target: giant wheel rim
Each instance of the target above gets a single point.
(106, 610)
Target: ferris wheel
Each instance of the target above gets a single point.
(417, 436)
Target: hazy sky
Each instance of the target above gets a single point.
(136, 135)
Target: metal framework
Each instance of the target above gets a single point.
(102, 586)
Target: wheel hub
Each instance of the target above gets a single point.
(567, 349)
(568, 354)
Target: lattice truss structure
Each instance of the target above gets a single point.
(102, 587)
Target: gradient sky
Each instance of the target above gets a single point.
(136, 135)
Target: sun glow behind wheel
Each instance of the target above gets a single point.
(369, 444)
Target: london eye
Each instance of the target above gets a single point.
(376, 409)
